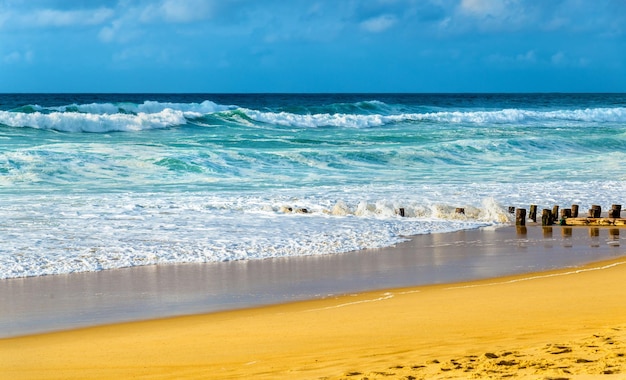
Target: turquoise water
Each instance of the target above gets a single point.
(99, 181)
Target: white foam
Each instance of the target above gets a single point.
(89, 122)
(57, 233)
(600, 115)
(107, 117)
(61, 234)
(95, 108)
(148, 106)
(205, 108)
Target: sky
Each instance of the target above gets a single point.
(240, 46)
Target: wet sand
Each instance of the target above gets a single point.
(563, 323)
(34, 305)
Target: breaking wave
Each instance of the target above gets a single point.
(506, 116)
(122, 117)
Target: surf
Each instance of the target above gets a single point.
(148, 115)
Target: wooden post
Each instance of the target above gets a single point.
(401, 211)
(520, 217)
(595, 211)
(511, 209)
(546, 217)
(460, 210)
(532, 215)
(574, 211)
(555, 213)
(565, 213)
(615, 211)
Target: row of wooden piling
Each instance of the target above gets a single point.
(569, 216)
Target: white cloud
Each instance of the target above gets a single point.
(13, 57)
(109, 33)
(482, 8)
(17, 57)
(177, 11)
(529, 57)
(185, 11)
(558, 58)
(556, 23)
(125, 27)
(135, 20)
(59, 18)
(379, 24)
(4, 16)
(141, 53)
(561, 59)
(498, 15)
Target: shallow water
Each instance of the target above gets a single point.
(46, 303)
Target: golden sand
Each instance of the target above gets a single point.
(566, 324)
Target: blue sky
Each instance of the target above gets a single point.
(313, 46)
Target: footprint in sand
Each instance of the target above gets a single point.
(558, 349)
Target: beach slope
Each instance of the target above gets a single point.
(568, 323)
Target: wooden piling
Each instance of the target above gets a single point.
(574, 211)
(401, 211)
(595, 211)
(615, 211)
(565, 213)
(546, 217)
(532, 215)
(460, 210)
(520, 217)
(511, 210)
(555, 213)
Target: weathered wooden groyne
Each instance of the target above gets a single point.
(569, 216)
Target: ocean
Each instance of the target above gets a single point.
(90, 182)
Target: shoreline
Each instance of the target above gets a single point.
(565, 323)
(65, 302)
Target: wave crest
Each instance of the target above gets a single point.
(148, 106)
(108, 117)
(505, 116)
(95, 123)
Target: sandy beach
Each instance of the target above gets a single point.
(560, 324)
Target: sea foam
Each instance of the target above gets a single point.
(471, 117)
(109, 117)
(56, 234)
(95, 123)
